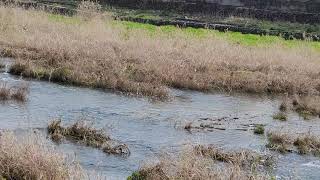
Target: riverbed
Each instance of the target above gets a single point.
(150, 127)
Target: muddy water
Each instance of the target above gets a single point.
(150, 128)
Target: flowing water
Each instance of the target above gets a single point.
(150, 128)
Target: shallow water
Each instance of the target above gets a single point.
(150, 128)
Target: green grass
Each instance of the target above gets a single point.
(274, 25)
(64, 19)
(234, 37)
(259, 129)
(280, 116)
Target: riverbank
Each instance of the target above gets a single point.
(272, 24)
(99, 53)
(226, 122)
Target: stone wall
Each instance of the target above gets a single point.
(304, 11)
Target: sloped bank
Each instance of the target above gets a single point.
(223, 27)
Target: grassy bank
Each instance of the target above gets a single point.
(281, 27)
(32, 158)
(144, 60)
(171, 31)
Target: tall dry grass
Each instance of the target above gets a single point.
(32, 158)
(96, 53)
(192, 166)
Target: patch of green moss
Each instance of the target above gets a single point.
(280, 116)
(136, 176)
(259, 129)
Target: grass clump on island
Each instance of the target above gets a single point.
(281, 116)
(31, 158)
(308, 144)
(17, 93)
(94, 52)
(279, 142)
(303, 144)
(82, 133)
(259, 129)
(244, 158)
(305, 106)
(193, 164)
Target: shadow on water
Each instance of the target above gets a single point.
(150, 128)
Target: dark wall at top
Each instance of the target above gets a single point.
(305, 11)
(309, 6)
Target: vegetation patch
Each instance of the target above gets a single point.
(83, 133)
(17, 93)
(280, 116)
(61, 74)
(245, 159)
(98, 52)
(279, 142)
(303, 144)
(259, 129)
(308, 144)
(31, 158)
(306, 106)
(192, 165)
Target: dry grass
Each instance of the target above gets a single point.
(305, 106)
(4, 92)
(279, 142)
(18, 93)
(83, 133)
(31, 158)
(98, 54)
(284, 142)
(244, 159)
(191, 165)
(308, 144)
(79, 131)
(88, 10)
